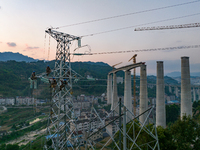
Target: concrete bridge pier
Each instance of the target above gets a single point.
(128, 94)
(176, 91)
(160, 96)
(115, 94)
(186, 104)
(143, 93)
(170, 89)
(194, 94)
(198, 93)
(109, 89)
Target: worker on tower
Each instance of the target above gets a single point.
(63, 83)
(53, 83)
(48, 70)
(33, 76)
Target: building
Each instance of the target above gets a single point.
(96, 135)
(87, 124)
(24, 100)
(7, 101)
(81, 104)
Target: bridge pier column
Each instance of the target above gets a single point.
(109, 89)
(115, 94)
(176, 90)
(128, 95)
(186, 104)
(160, 96)
(170, 89)
(143, 93)
(194, 94)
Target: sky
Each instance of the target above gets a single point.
(23, 24)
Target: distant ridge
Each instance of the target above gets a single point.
(6, 56)
(97, 63)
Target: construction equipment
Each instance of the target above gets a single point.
(134, 83)
(115, 65)
(191, 25)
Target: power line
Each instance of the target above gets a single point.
(141, 50)
(128, 14)
(140, 25)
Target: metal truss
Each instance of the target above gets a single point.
(136, 135)
(117, 134)
(61, 116)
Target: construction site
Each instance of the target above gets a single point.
(65, 119)
(125, 126)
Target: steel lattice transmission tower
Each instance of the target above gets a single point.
(61, 113)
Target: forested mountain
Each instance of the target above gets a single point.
(6, 56)
(14, 78)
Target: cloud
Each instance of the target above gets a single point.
(30, 48)
(11, 44)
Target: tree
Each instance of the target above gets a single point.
(3, 147)
(12, 147)
(186, 134)
(196, 109)
(9, 147)
(172, 113)
(165, 139)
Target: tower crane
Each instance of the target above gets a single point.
(115, 65)
(190, 25)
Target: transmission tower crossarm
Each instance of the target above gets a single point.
(59, 36)
(191, 25)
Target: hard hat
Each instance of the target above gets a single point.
(53, 77)
(64, 79)
(33, 71)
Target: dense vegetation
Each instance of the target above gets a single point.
(14, 78)
(182, 135)
(172, 113)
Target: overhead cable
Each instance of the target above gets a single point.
(141, 50)
(140, 25)
(128, 14)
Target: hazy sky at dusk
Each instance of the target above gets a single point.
(23, 24)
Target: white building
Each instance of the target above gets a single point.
(24, 100)
(2, 101)
(7, 101)
(85, 124)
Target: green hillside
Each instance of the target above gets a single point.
(14, 78)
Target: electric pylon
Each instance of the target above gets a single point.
(61, 115)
